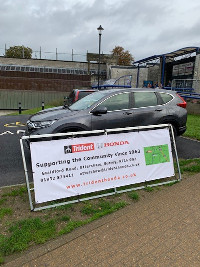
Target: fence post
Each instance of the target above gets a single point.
(22, 51)
(42, 105)
(20, 108)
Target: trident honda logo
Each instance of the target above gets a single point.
(78, 148)
(114, 143)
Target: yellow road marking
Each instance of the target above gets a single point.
(14, 124)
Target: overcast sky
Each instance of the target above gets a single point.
(144, 27)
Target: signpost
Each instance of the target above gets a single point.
(110, 159)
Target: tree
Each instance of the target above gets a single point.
(124, 57)
(19, 52)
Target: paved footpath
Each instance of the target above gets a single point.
(162, 229)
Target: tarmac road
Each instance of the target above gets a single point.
(11, 165)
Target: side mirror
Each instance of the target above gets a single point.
(99, 110)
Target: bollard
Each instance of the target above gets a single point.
(42, 105)
(20, 108)
(65, 101)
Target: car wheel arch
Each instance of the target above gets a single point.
(173, 123)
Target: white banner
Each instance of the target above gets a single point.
(75, 166)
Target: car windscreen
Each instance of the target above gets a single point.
(84, 93)
(88, 101)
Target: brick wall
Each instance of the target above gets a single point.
(42, 81)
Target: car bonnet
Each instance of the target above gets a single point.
(52, 114)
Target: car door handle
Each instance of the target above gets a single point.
(158, 109)
(128, 113)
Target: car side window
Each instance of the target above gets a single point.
(166, 97)
(145, 99)
(117, 102)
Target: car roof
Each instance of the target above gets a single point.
(110, 91)
(85, 89)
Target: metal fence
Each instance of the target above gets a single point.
(54, 55)
(187, 83)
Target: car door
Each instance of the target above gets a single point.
(118, 114)
(147, 109)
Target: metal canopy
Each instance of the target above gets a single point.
(165, 58)
(177, 53)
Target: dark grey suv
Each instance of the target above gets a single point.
(115, 108)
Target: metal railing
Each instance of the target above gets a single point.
(54, 55)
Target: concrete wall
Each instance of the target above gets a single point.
(196, 84)
(154, 73)
(52, 63)
(193, 107)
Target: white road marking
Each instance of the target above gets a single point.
(7, 132)
(20, 131)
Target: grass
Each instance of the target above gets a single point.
(71, 226)
(2, 200)
(134, 196)
(102, 208)
(190, 166)
(24, 232)
(96, 211)
(53, 104)
(65, 218)
(30, 111)
(193, 127)
(39, 227)
(22, 229)
(16, 192)
(172, 183)
(5, 211)
(149, 189)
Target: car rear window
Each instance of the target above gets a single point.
(166, 97)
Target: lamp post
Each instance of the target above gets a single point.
(100, 29)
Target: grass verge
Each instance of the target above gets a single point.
(30, 111)
(190, 166)
(20, 228)
(193, 127)
(52, 104)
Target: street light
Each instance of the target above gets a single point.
(100, 29)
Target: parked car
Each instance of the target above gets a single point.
(114, 108)
(77, 94)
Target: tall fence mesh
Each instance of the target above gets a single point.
(54, 55)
